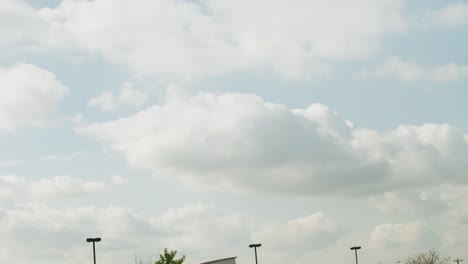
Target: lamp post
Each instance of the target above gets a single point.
(355, 252)
(94, 240)
(255, 246)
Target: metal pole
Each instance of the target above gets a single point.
(94, 253)
(355, 252)
(256, 261)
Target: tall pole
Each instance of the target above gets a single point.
(256, 261)
(255, 246)
(94, 240)
(94, 252)
(355, 252)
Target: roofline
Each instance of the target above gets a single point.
(212, 261)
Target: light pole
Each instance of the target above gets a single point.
(355, 251)
(97, 239)
(255, 246)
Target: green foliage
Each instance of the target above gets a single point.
(430, 257)
(168, 257)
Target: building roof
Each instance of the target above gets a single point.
(217, 260)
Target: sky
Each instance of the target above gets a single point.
(203, 126)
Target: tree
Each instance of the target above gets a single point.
(168, 257)
(430, 257)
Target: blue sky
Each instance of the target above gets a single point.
(204, 126)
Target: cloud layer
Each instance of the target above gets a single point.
(453, 14)
(313, 231)
(18, 189)
(127, 96)
(395, 191)
(30, 96)
(191, 39)
(411, 235)
(240, 141)
(410, 72)
(409, 202)
(61, 233)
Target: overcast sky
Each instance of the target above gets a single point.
(206, 125)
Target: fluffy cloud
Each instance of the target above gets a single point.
(20, 25)
(188, 39)
(47, 234)
(411, 235)
(14, 188)
(229, 234)
(312, 231)
(453, 14)
(200, 38)
(29, 96)
(199, 231)
(127, 96)
(297, 240)
(455, 219)
(443, 209)
(409, 203)
(119, 180)
(232, 141)
(410, 72)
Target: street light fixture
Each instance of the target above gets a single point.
(94, 240)
(355, 252)
(255, 246)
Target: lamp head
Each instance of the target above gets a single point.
(97, 239)
(355, 248)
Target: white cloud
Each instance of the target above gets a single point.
(234, 141)
(314, 231)
(71, 156)
(395, 68)
(127, 96)
(410, 72)
(8, 163)
(188, 39)
(453, 14)
(14, 188)
(119, 180)
(105, 101)
(297, 240)
(76, 119)
(29, 96)
(298, 40)
(415, 235)
(455, 219)
(409, 203)
(199, 231)
(442, 207)
(21, 26)
(49, 235)
(448, 72)
(444, 224)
